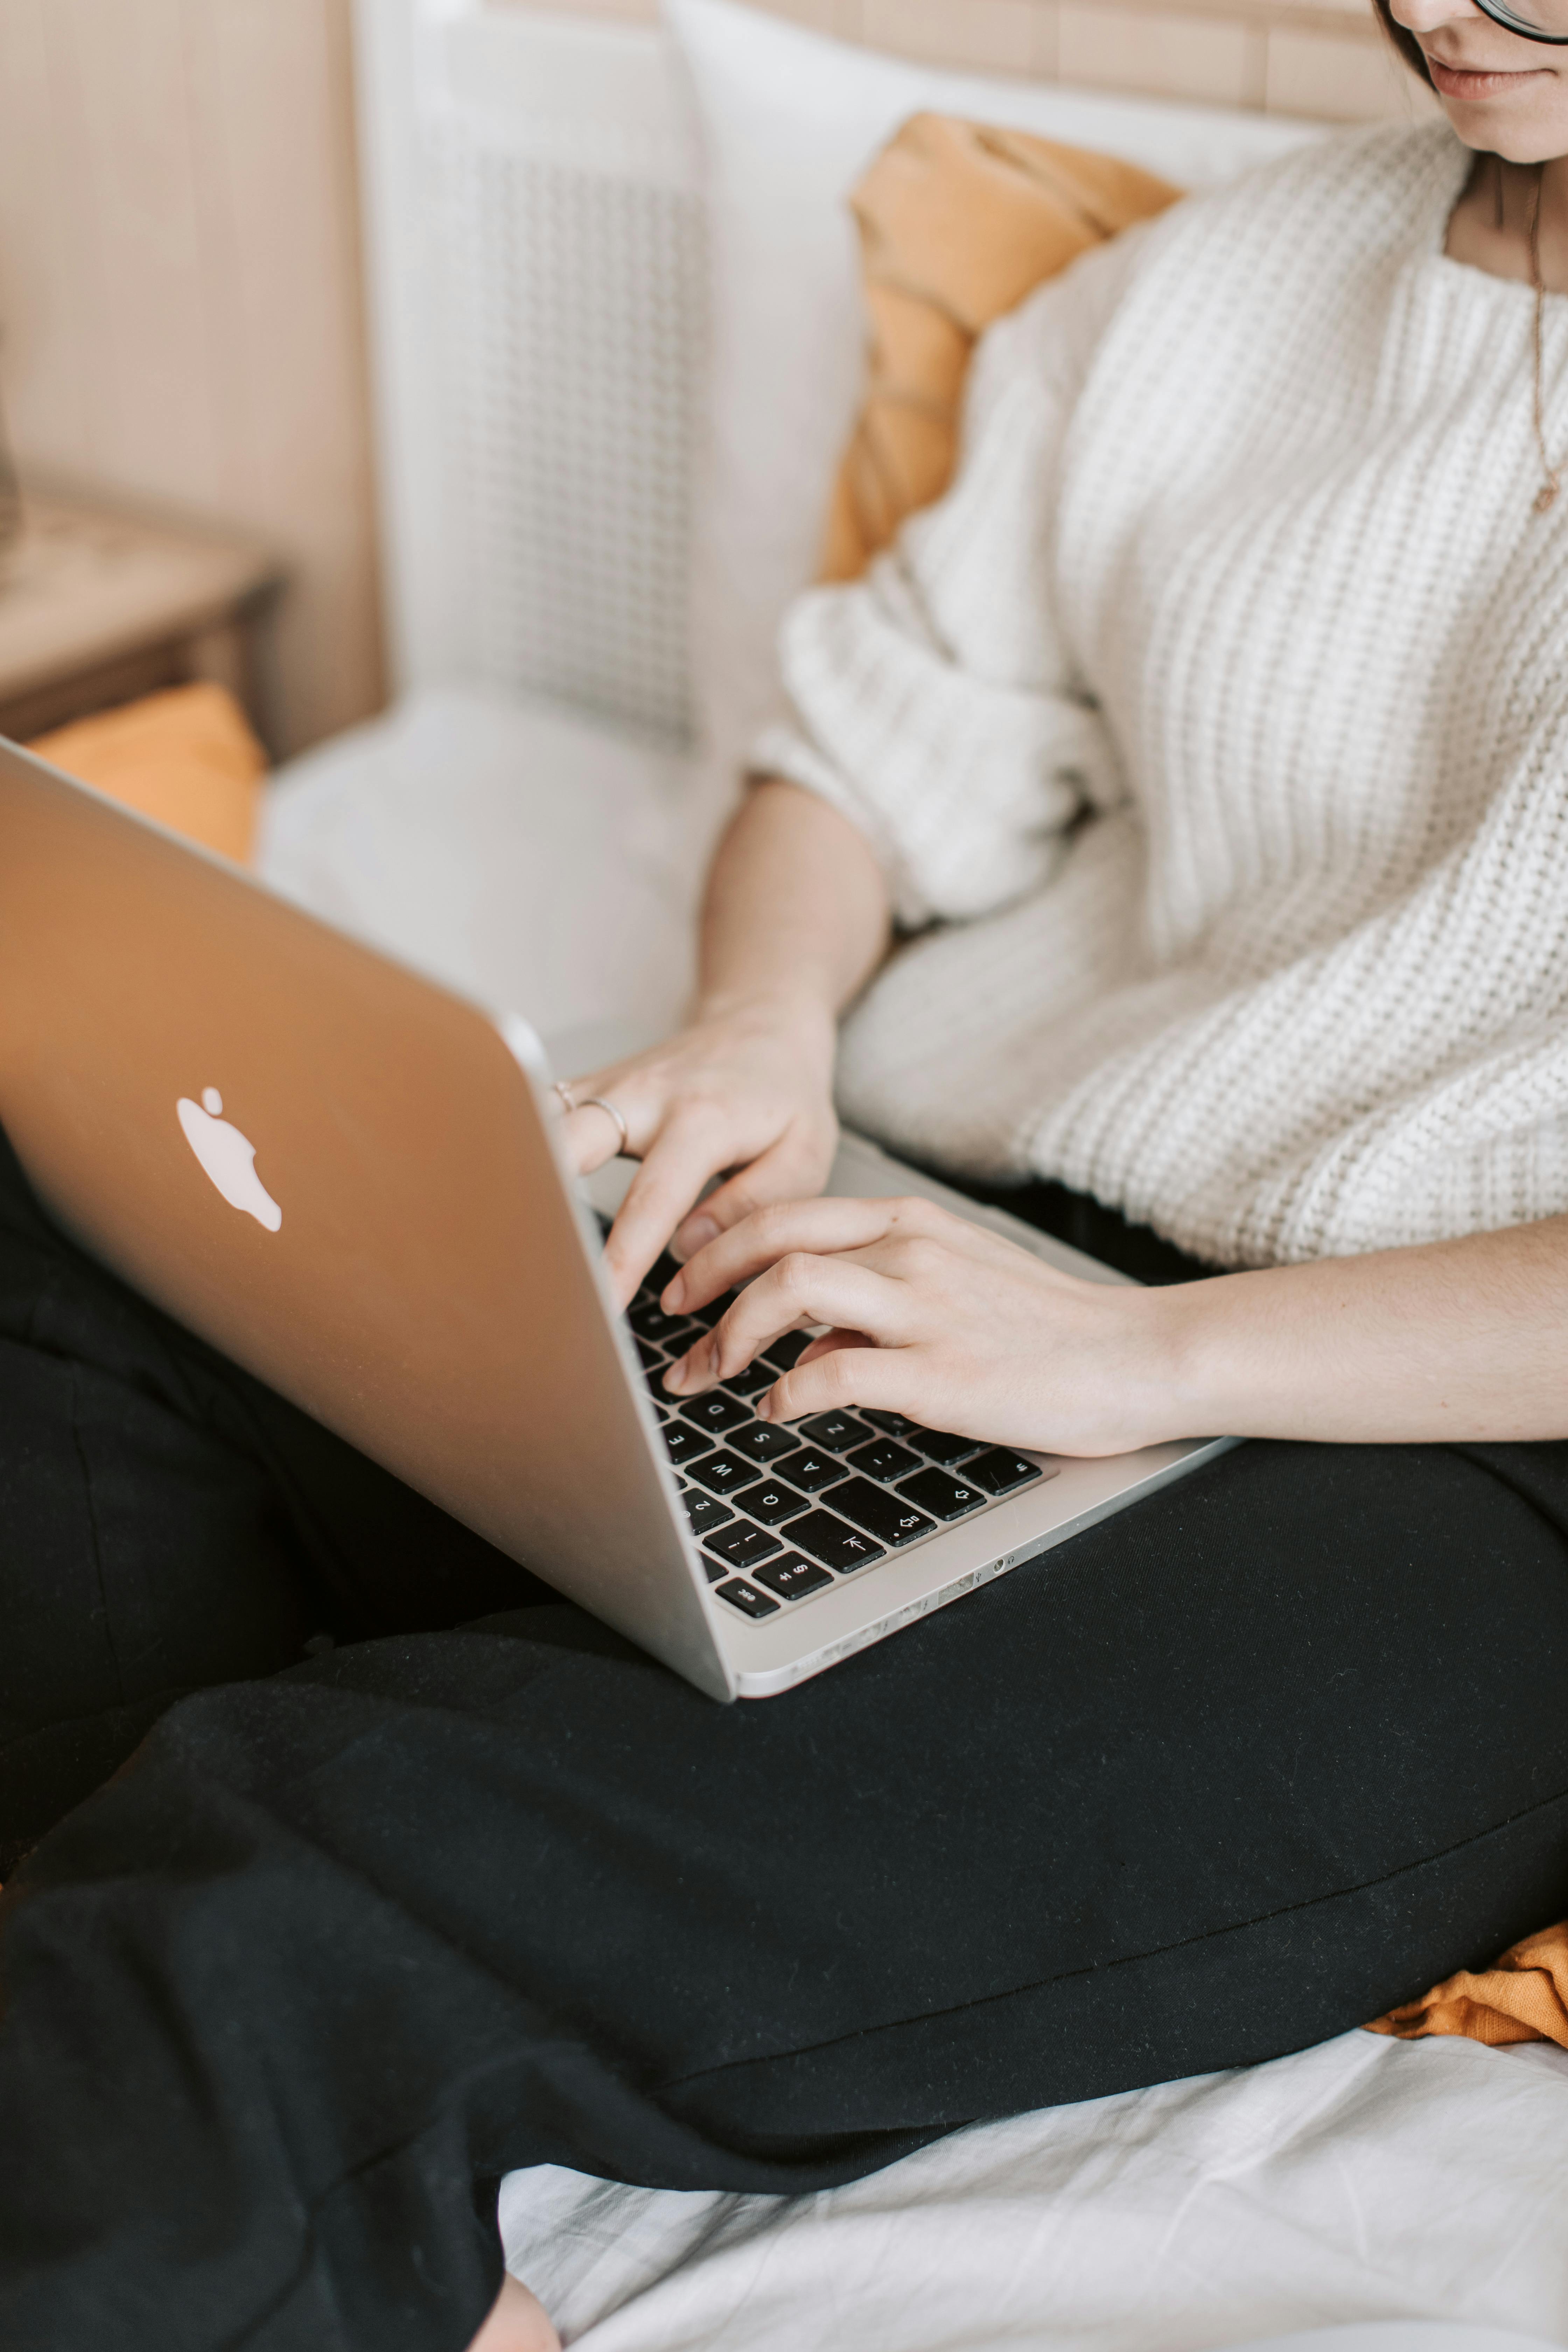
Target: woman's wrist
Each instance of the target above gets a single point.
(1187, 1343)
(784, 1004)
(1146, 1351)
(1228, 1364)
(1160, 1361)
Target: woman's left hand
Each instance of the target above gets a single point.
(930, 1316)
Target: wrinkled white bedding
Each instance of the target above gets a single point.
(545, 866)
(1366, 2179)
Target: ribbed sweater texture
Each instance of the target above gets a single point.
(1213, 734)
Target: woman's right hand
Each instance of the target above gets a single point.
(745, 1088)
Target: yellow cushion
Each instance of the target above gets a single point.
(958, 223)
(187, 757)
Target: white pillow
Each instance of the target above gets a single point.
(789, 120)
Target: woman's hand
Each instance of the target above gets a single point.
(1444, 1343)
(795, 919)
(936, 1318)
(747, 1086)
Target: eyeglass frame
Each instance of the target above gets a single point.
(1498, 12)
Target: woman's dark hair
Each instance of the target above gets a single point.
(1404, 40)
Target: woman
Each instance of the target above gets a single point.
(1211, 741)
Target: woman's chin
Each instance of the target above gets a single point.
(1496, 129)
(1523, 116)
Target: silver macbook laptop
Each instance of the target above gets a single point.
(345, 1177)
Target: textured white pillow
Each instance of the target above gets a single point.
(789, 120)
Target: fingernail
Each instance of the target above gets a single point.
(674, 1295)
(764, 1409)
(696, 1234)
(675, 1378)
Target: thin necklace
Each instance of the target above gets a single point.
(1546, 497)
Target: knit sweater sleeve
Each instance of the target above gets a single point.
(936, 702)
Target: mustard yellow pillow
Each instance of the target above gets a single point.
(958, 222)
(186, 756)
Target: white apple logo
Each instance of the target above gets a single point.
(228, 1158)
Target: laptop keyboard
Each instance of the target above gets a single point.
(783, 1514)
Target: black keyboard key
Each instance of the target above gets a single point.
(887, 1517)
(740, 1546)
(658, 1277)
(812, 1471)
(682, 1443)
(706, 1511)
(764, 1443)
(891, 1424)
(793, 1578)
(883, 1459)
(835, 1433)
(944, 1498)
(715, 1310)
(751, 1604)
(943, 1446)
(714, 1570)
(652, 1359)
(753, 1380)
(721, 1474)
(715, 1412)
(787, 1351)
(770, 1501)
(830, 1541)
(999, 1471)
(650, 1322)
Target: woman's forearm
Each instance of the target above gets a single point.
(1464, 1340)
(795, 907)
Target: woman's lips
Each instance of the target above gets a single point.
(1456, 81)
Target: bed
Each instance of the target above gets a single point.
(526, 822)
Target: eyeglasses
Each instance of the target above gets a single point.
(1533, 20)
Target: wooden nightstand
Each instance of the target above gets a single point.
(98, 605)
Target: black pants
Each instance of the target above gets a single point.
(345, 1941)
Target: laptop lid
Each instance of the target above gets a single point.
(342, 1175)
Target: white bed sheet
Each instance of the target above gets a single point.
(541, 864)
(1366, 2179)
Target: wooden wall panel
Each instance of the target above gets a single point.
(180, 294)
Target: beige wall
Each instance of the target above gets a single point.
(179, 283)
(179, 291)
(1320, 58)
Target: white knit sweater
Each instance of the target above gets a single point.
(1216, 725)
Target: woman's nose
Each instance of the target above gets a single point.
(1426, 16)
